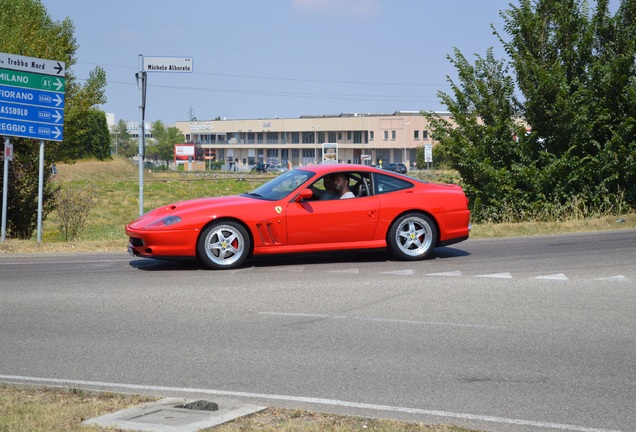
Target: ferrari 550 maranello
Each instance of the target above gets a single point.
(304, 210)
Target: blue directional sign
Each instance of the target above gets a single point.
(31, 97)
(18, 128)
(32, 113)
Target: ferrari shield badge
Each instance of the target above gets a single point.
(278, 209)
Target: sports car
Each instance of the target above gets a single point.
(290, 214)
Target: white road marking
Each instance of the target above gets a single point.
(496, 276)
(559, 276)
(290, 269)
(311, 400)
(407, 272)
(450, 273)
(351, 271)
(619, 278)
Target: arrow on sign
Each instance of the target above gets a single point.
(58, 100)
(57, 133)
(57, 116)
(59, 68)
(58, 84)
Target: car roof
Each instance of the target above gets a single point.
(322, 169)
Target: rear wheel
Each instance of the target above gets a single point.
(224, 245)
(412, 237)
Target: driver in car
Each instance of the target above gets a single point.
(341, 186)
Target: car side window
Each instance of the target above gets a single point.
(384, 183)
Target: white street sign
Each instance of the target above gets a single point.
(32, 64)
(168, 64)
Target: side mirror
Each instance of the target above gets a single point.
(304, 194)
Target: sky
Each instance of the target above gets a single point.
(278, 58)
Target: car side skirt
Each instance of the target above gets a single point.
(323, 247)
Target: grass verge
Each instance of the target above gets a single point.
(53, 409)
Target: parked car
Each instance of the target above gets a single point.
(260, 167)
(407, 216)
(276, 169)
(396, 167)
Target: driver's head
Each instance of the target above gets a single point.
(327, 182)
(341, 182)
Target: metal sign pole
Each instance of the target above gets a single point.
(141, 82)
(40, 190)
(5, 188)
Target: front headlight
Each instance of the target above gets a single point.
(163, 222)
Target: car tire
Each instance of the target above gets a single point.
(412, 237)
(224, 245)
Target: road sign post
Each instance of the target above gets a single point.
(8, 156)
(153, 64)
(31, 106)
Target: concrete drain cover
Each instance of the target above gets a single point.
(174, 415)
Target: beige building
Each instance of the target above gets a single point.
(355, 138)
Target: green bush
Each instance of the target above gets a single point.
(73, 206)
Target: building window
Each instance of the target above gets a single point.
(272, 156)
(386, 135)
(259, 138)
(332, 137)
(308, 137)
(416, 135)
(393, 135)
(295, 137)
(339, 136)
(272, 137)
(348, 135)
(425, 134)
(357, 137)
(370, 135)
(309, 156)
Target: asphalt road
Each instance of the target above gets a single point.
(524, 334)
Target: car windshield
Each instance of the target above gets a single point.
(281, 186)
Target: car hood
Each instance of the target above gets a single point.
(193, 209)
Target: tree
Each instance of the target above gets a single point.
(121, 142)
(26, 29)
(479, 140)
(165, 139)
(94, 135)
(22, 196)
(575, 72)
(81, 120)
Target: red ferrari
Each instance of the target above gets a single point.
(303, 210)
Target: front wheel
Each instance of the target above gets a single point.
(412, 237)
(223, 245)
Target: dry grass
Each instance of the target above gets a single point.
(604, 223)
(41, 409)
(285, 420)
(52, 409)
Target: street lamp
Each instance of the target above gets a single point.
(404, 128)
